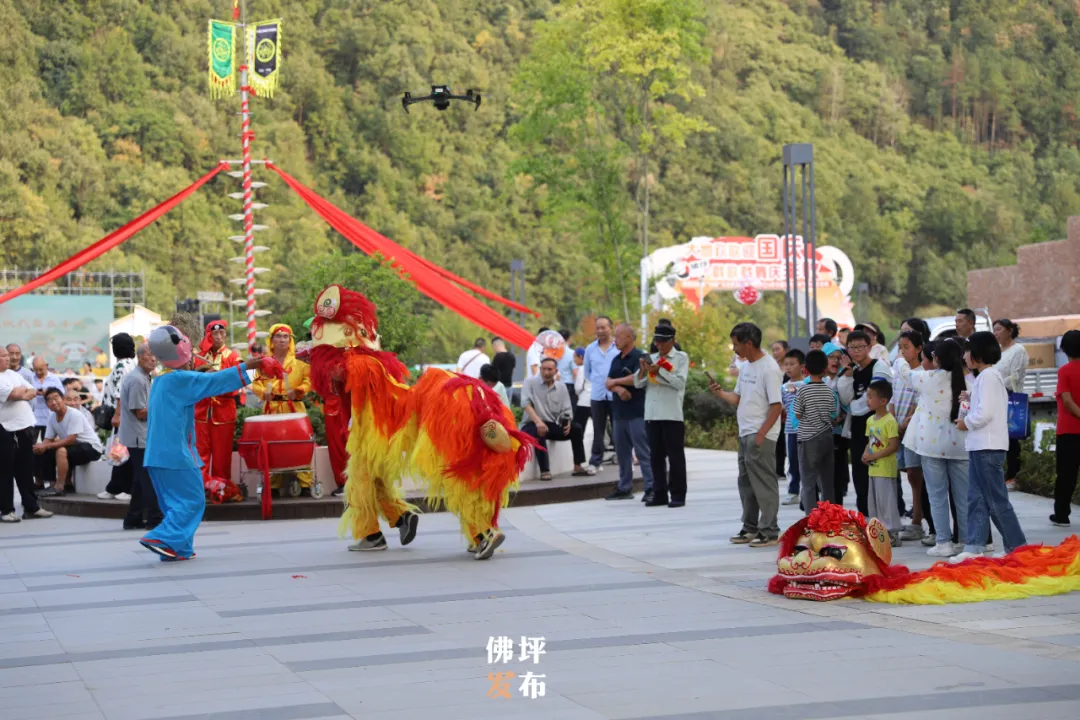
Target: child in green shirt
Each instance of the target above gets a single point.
(883, 433)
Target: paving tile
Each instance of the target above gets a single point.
(644, 615)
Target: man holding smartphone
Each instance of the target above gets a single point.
(758, 403)
(663, 375)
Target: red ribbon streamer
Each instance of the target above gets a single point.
(107, 243)
(367, 238)
(429, 278)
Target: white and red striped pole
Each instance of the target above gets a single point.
(249, 220)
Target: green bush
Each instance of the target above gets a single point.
(710, 422)
(1038, 470)
(723, 435)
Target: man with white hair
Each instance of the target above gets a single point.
(143, 510)
(16, 443)
(41, 380)
(628, 413)
(16, 363)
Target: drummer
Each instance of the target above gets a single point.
(215, 417)
(284, 395)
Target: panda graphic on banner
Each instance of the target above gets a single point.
(264, 57)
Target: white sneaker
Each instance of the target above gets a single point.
(591, 470)
(9, 518)
(123, 496)
(943, 550)
(998, 555)
(105, 495)
(964, 556)
(791, 500)
(39, 513)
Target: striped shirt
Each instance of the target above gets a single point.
(904, 394)
(815, 404)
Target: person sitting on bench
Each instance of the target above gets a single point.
(70, 440)
(550, 416)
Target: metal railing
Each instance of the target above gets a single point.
(1041, 383)
(128, 289)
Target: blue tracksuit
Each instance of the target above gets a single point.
(171, 456)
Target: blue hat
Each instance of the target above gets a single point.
(830, 347)
(580, 352)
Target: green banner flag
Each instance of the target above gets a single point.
(264, 57)
(222, 48)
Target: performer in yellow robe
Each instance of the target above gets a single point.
(279, 396)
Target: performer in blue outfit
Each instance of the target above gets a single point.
(171, 455)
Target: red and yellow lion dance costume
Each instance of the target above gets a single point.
(835, 553)
(450, 432)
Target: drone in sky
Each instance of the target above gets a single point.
(441, 95)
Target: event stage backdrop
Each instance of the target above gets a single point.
(708, 264)
(67, 329)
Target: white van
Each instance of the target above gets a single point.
(945, 326)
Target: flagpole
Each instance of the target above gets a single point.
(245, 149)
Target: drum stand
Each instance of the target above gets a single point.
(294, 488)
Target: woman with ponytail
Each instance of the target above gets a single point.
(933, 435)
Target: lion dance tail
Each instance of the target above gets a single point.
(1026, 572)
(471, 477)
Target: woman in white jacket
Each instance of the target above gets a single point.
(933, 435)
(987, 429)
(1012, 367)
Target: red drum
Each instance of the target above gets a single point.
(290, 441)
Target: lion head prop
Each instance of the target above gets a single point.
(836, 553)
(833, 553)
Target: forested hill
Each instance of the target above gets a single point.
(945, 134)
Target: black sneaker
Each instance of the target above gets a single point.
(743, 538)
(338, 492)
(406, 526)
(657, 502)
(135, 526)
(620, 495)
(676, 503)
(1060, 522)
(648, 497)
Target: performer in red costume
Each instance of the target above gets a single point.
(215, 417)
(336, 410)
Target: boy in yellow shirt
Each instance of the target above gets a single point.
(883, 440)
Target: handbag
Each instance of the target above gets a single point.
(1019, 416)
(115, 453)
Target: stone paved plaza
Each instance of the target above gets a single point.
(645, 612)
